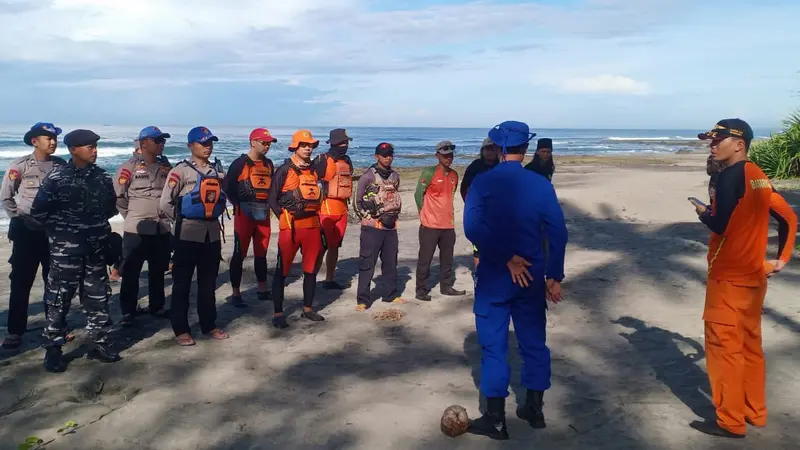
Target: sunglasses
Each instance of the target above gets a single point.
(265, 143)
(448, 147)
(158, 140)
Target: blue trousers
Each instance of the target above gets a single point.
(527, 307)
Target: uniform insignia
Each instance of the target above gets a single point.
(173, 180)
(13, 174)
(124, 176)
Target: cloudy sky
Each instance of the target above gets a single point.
(552, 63)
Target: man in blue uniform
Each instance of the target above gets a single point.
(74, 203)
(507, 210)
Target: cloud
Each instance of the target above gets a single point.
(605, 84)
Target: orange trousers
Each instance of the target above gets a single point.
(734, 356)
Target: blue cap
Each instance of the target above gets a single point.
(511, 134)
(201, 135)
(41, 129)
(79, 138)
(152, 132)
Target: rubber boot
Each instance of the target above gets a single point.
(277, 299)
(54, 359)
(532, 411)
(493, 423)
(309, 288)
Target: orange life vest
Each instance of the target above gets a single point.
(340, 185)
(308, 193)
(257, 179)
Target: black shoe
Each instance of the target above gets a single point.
(159, 312)
(238, 302)
(493, 423)
(263, 296)
(531, 411)
(54, 359)
(312, 316)
(423, 297)
(102, 352)
(711, 428)
(280, 322)
(452, 292)
(332, 286)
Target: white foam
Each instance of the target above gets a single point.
(662, 138)
(16, 152)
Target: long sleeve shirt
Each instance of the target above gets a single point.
(738, 220)
(507, 210)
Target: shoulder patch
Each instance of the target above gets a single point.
(13, 174)
(174, 178)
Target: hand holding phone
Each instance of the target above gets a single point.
(697, 201)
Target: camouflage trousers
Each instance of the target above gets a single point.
(87, 275)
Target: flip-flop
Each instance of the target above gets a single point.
(185, 340)
(361, 307)
(217, 334)
(12, 341)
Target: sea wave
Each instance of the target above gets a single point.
(102, 152)
(634, 139)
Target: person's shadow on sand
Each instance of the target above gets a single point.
(678, 371)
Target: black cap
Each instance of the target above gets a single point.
(544, 143)
(79, 138)
(338, 136)
(729, 128)
(384, 149)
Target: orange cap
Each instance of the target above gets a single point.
(303, 137)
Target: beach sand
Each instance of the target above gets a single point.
(628, 367)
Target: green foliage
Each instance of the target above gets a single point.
(69, 427)
(779, 156)
(30, 443)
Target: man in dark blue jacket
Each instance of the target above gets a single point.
(507, 210)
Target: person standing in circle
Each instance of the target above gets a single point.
(248, 184)
(335, 170)
(543, 159)
(194, 201)
(295, 198)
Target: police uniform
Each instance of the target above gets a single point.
(195, 209)
(146, 237)
(30, 249)
(74, 204)
(505, 212)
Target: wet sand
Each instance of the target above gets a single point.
(627, 346)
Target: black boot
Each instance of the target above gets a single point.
(54, 359)
(493, 423)
(531, 411)
(102, 352)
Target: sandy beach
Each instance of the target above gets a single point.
(626, 344)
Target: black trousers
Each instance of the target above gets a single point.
(136, 249)
(29, 250)
(205, 257)
(376, 242)
(429, 239)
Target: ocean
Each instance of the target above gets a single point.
(414, 147)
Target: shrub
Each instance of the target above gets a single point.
(779, 156)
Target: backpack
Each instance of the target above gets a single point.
(206, 201)
(341, 185)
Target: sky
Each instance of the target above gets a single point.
(679, 64)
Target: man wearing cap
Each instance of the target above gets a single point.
(295, 198)
(30, 249)
(194, 202)
(335, 170)
(488, 160)
(543, 159)
(139, 183)
(506, 212)
(738, 219)
(247, 185)
(434, 197)
(378, 203)
(74, 203)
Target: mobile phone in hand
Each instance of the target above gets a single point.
(697, 201)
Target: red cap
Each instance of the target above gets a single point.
(262, 134)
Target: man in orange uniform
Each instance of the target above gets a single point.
(247, 185)
(434, 197)
(737, 279)
(295, 198)
(335, 170)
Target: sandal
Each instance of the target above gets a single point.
(361, 307)
(70, 337)
(185, 340)
(398, 301)
(12, 341)
(218, 334)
